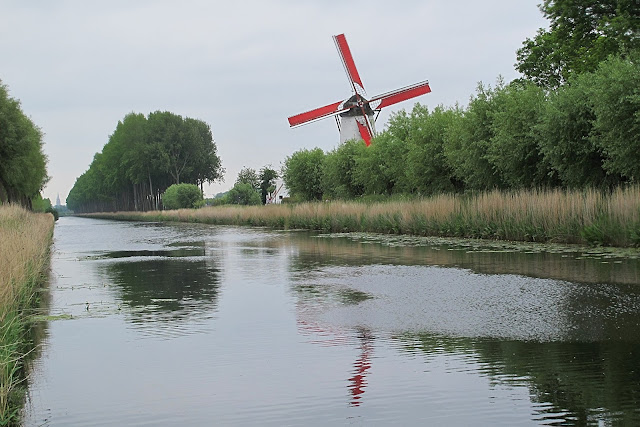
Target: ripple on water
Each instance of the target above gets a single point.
(457, 302)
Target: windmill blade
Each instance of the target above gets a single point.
(393, 97)
(318, 113)
(349, 65)
(366, 131)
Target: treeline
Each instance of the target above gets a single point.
(572, 121)
(23, 164)
(517, 136)
(142, 158)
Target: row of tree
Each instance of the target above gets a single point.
(573, 120)
(520, 135)
(142, 158)
(23, 164)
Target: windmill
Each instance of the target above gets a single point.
(356, 115)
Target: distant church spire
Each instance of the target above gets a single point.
(58, 201)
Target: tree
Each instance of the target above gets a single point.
(181, 196)
(468, 140)
(616, 104)
(566, 129)
(515, 146)
(248, 176)
(338, 171)
(302, 173)
(427, 169)
(381, 168)
(267, 177)
(206, 165)
(167, 131)
(142, 158)
(23, 165)
(582, 33)
(243, 193)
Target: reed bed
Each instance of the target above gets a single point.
(587, 217)
(25, 239)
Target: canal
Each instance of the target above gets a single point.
(167, 324)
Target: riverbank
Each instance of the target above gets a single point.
(25, 240)
(561, 216)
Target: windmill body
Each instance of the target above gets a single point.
(356, 115)
(349, 120)
(349, 128)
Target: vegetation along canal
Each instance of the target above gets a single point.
(191, 324)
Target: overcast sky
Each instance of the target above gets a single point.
(78, 67)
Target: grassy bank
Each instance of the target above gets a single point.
(25, 239)
(586, 217)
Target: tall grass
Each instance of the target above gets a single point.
(587, 217)
(25, 239)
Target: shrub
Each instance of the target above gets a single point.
(180, 196)
(53, 211)
(243, 194)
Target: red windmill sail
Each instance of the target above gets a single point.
(357, 108)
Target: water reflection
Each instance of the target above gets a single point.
(181, 252)
(159, 294)
(573, 346)
(575, 383)
(358, 382)
(332, 330)
(575, 264)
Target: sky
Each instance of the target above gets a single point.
(79, 67)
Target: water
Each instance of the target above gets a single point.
(201, 325)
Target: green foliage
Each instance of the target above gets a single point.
(581, 34)
(143, 157)
(565, 136)
(617, 115)
(180, 196)
(38, 204)
(595, 235)
(381, 167)
(248, 176)
(338, 171)
(302, 174)
(590, 128)
(585, 133)
(267, 177)
(469, 138)
(514, 151)
(53, 211)
(243, 193)
(23, 165)
(426, 168)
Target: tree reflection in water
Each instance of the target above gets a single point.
(587, 373)
(581, 382)
(166, 290)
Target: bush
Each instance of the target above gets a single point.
(180, 196)
(38, 204)
(243, 193)
(302, 174)
(53, 211)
